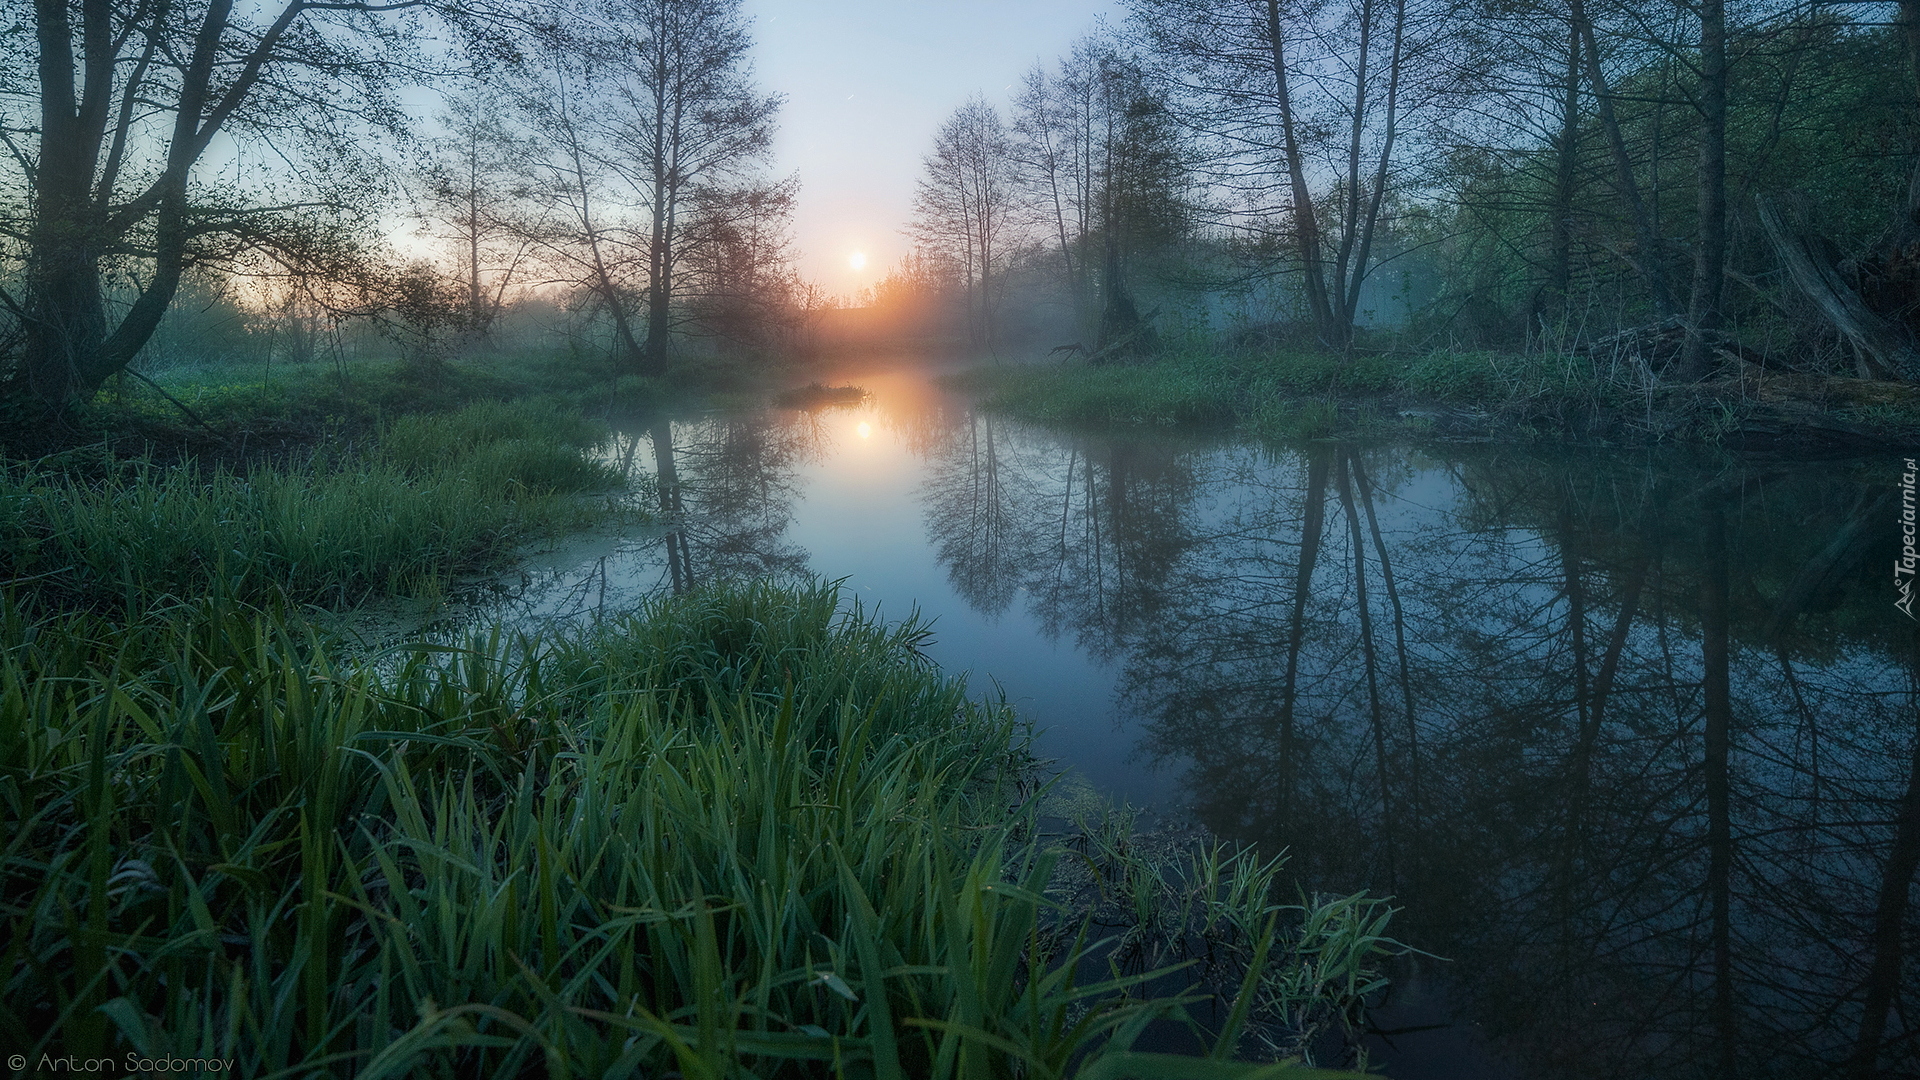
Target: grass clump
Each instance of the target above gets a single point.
(819, 396)
(527, 446)
(440, 496)
(744, 833)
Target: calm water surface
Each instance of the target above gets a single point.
(1631, 736)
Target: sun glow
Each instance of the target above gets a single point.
(865, 430)
(857, 260)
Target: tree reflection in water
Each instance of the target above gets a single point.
(1633, 739)
(724, 490)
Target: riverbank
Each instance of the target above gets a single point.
(234, 411)
(1458, 395)
(744, 830)
(425, 500)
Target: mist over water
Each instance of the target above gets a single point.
(1476, 678)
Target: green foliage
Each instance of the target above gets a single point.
(1297, 419)
(780, 844)
(317, 402)
(816, 395)
(445, 495)
(1809, 111)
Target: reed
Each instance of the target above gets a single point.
(746, 833)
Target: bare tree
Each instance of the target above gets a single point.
(471, 199)
(966, 205)
(643, 106)
(1056, 124)
(1105, 171)
(1290, 96)
(739, 280)
(1704, 317)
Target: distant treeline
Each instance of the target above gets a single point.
(1431, 173)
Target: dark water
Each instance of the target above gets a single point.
(1630, 735)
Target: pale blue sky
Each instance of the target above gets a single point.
(867, 81)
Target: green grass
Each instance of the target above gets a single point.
(1292, 394)
(437, 496)
(1304, 395)
(746, 833)
(1145, 394)
(247, 409)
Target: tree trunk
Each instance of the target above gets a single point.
(1593, 715)
(1889, 919)
(667, 479)
(69, 349)
(1565, 174)
(653, 358)
(1909, 22)
(1369, 223)
(1306, 228)
(1123, 334)
(659, 324)
(1647, 258)
(1704, 316)
(1371, 663)
(1399, 641)
(65, 321)
(1311, 526)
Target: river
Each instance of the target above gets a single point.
(1628, 735)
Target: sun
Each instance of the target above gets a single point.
(857, 260)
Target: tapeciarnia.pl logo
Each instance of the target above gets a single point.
(1903, 568)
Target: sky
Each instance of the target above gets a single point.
(867, 82)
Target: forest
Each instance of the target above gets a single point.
(1672, 195)
(1348, 538)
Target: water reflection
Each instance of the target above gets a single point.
(1632, 737)
(1626, 736)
